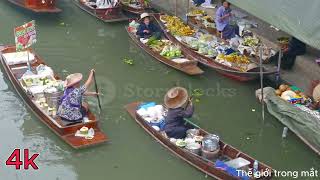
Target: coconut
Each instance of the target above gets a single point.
(278, 92)
(282, 87)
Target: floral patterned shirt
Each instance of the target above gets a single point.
(71, 102)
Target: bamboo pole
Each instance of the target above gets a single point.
(279, 67)
(175, 11)
(261, 82)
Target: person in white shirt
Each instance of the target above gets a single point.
(101, 4)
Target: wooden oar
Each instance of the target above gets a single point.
(190, 122)
(97, 91)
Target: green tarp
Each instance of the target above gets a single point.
(296, 17)
(305, 124)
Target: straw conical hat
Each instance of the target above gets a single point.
(316, 93)
(144, 15)
(73, 79)
(176, 97)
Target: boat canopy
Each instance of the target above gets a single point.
(300, 19)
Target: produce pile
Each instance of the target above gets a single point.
(136, 3)
(39, 83)
(203, 44)
(165, 48)
(251, 41)
(221, 51)
(251, 45)
(293, 95)
(202, 18)
(157, 45)
(208, 22)
(196, 12)
(171, 52)
(234, 58)
(237, 61)
(176, 26)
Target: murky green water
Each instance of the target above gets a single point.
(76, 42)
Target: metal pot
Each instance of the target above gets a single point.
(52, 98)
(194, 148)
(211, 142)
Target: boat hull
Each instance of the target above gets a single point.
(36, 6)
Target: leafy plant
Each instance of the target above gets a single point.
(128, 61)
(197, 94)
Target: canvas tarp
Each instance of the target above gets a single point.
(295, 17)
(305, 125)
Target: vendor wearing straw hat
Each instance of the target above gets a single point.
(71, 108)
(146, 28)
(179, 107)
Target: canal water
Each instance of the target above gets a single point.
(76, 42)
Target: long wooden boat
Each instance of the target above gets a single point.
(225, 70)
(189, 67)
(107, 15)
(37, 6)
(65, 132)
(227, 152)
(134, 9)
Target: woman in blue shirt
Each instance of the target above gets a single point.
(223, 16)
(146, 28)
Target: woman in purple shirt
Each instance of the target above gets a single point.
(223, 16)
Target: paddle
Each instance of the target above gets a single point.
(190, 122)
(97, 91)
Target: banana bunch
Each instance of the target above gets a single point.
(177, 27)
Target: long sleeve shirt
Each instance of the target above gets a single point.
(151, 28)
(175, 117)
(221, 23)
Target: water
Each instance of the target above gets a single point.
(76, 42)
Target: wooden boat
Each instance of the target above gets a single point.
(37, 6)
(227, 152)
(134, 9)
(66, 133)
(225, 70)
(113, 14)
(190, 67)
